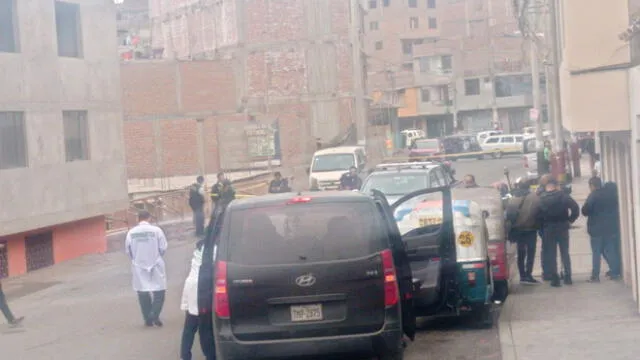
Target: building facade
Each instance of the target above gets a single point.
(459, 66)
(600, 92)
(292, 64)
(62, 164)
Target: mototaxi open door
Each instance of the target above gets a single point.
(430, 245)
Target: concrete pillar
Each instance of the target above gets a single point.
(620, 178)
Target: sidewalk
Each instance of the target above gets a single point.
(583, 321)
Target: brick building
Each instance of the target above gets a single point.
(232, 67)
(449, 64)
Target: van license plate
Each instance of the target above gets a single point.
(306, 313)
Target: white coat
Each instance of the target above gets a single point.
(190, 291)
(145, 245)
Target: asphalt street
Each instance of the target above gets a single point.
(86, 309)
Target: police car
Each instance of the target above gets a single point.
(398, 179)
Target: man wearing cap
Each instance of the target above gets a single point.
(146, 245)
(558, 211)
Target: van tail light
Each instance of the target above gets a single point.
(471, 277)
(526, 162)
(221, 298)
(391, 292)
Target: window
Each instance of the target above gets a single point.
(413, 3)
(425, 95)
(304, 233)
(76, 135)
(414, 23)
(472, 87)
(444, 93)
(407, 47)
(373, 26)
(431, 4)
(373, 4)
(492, 140)
(446, 63)
(424, 63)
(13, 142)
(8, 26)
(507, 140)
(407, 67)
(386, 3)
(68, 29)
(395, 184)
(433, 23)
(378, 45)
(519, 139)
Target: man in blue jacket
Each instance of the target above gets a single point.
(601, 209)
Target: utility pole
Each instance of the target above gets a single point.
(490, 23)
(535, 79)
(553, 84)
(555, 74)
(360, 108)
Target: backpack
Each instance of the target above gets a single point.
(195, 199)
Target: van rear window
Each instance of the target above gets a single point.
(301, 233)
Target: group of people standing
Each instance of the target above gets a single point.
(550, 212)
(222, 193)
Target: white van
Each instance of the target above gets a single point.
(503, 144)
(482, 135)
(328, 165)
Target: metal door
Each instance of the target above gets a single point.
(39, 249)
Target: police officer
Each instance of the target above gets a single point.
(558, 211)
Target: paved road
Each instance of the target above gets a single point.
(85, 308)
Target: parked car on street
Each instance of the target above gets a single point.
(399, 179)
(503, 144)
(452, 147)
(313, 274)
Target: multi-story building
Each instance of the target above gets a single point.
(459, 65)
(62, 164)
(291, 64)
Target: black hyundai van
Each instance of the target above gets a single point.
(310, 274)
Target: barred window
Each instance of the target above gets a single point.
(76, 135)
(13, 142)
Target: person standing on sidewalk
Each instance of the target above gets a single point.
(522, 210)
(146, 245)
(196, 202)
(558, 211)
(195, 320)
(4, 307)
(601, 209)
(216, 189)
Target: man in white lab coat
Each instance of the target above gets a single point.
(146, 245)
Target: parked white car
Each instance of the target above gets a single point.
(483, 135)
(503, 144)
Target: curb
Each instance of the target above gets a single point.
(507, 346)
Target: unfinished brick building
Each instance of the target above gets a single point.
(231, 66)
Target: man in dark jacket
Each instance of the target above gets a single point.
(196, 202)
(278, 184)
(350, 180)
(601, 208)
(558, 211)
(523, 210)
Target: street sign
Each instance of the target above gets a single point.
(533, 114)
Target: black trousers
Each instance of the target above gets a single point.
(556, 236)
(527, 244)
(198, 221)
(203, 325)
(151, 304)
(4, 307)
